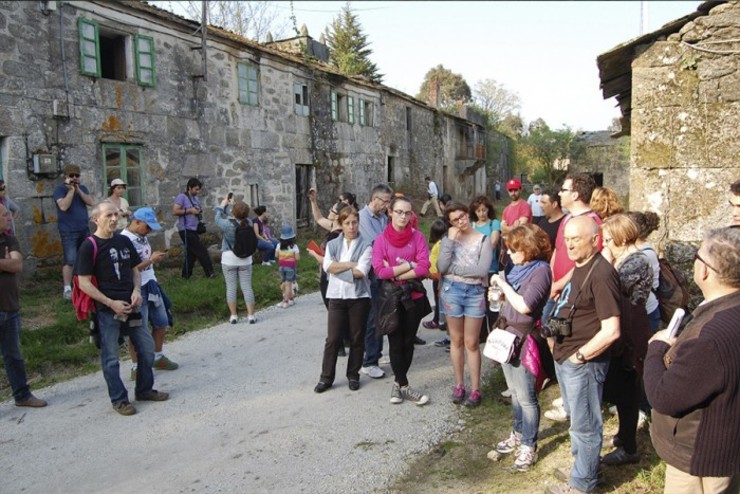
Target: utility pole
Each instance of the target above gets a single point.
(643, 17)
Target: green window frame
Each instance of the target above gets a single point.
(144, 54)
(334, 109)
(351, 109)
(125, 161)
(361, 104)
(248, 81)
(89, 47)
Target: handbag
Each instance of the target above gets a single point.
(500, 346)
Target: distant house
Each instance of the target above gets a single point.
(678, 89)
(127, 90)
(604, 157)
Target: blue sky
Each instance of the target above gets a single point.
(544, 51)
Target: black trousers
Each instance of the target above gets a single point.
(401, 342)
(345, 314)
(622, 388)
(194, 249)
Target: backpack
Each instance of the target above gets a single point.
(245, 243)
(81, 301)
(672, 292)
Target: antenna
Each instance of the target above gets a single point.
(643, 17)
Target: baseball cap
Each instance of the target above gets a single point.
(69, 169)
(117, 181)
(513, 184)
(286, 232)
(537, 186)
(148, 216)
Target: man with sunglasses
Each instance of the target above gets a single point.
(72, 199)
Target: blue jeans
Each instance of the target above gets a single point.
(654, 320)
(71, 242)
(524, 402)
(110, 331)
(373, 344)
(268, 249)
(10, 345)
(583, 385)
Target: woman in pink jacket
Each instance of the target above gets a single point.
(400, 254)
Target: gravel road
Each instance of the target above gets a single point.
(242, 417)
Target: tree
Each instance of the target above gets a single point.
(249, 19)
(495, 101)
(453, 90)
(545, 148)
(348, 46)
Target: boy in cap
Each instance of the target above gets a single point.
(287, 255)
(155, 304)
(534, 202)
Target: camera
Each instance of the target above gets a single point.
(557, 326)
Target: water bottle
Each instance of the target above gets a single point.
(495, 297)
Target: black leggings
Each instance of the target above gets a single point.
(194, 249)
(401, 342)
(622, 388)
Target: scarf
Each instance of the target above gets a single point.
(517, 273)
(396, 238)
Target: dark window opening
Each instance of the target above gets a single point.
(113, 56)
(408, 118)
(390, 170)
(302, 184)
(599, 179)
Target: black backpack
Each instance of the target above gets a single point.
(673, 290)
(245, 243)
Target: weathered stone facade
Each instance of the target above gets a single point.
(682, 100)
(605, 157)
(267, 145)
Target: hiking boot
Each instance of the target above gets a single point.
(430, 325)
(31, 401)
(153, 395)
(163, 363)
(396, 396)
(557, 414)
(124, 408)
(458, 394)
(474, 399)
(414, 396)
(526, 457)
(510, 444)
(620, 457)
(373, 371)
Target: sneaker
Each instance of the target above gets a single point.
(510, 444)
(31, 401)
(430, 325)
(458, 394)
(474, 399)
(163, 363)
(557, 402)
(526, 457)
(124, 408)
(153, 395)
(620, 457)
(506, 393)
(384, 361)
(283, 304)
(251, 319)
(442, 343)
(396, 396)
(132, 376)
(67, 294)
(414, 396)
(233, 319)
(291, 302)
(557, 414)
(419, 341)
(373, 371)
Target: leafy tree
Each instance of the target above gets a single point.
(544, 148)
(250, 19)
(495, 101)
(348, 46)
(453, 89)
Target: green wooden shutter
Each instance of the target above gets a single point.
(144, 54)
(334, 113)
(89, 47)
(362, 111)
(351, 109)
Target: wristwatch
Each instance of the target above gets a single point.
(580, 357)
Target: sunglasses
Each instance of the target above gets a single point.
(74, 175)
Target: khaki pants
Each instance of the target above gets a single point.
(678, 482)
(434, 202)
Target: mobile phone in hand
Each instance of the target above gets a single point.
(230, 196)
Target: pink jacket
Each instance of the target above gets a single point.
(416, 250)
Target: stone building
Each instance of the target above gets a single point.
(127, 90)
(678, 89)
(605, 157)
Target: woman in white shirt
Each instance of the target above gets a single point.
(347, 261)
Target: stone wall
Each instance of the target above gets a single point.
(189, 126)
(599, 153)
(685, 121)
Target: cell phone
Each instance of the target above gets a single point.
(230, 196)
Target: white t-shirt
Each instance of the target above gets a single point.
(144, 249)
(534, 203)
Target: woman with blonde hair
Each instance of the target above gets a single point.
(605, 202)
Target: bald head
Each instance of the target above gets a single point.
(581, 239)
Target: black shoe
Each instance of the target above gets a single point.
(321, 387)
(620, 457)
(342, 352)
(419, 341)
(354, 385)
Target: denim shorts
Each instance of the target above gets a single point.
(463, 299)
(71, 242)
(286, 273)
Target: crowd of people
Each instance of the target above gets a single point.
(566, 283)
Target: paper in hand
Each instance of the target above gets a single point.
(675, 323)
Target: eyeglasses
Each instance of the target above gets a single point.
(382, 201)
(697, 257)
(400, 212)
(607, 240)
(74, 175)
(563, 189)
(459, 219)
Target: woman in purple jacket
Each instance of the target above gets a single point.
(401, 254)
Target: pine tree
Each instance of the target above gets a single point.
(348, 47)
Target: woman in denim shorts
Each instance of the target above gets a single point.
(464, 258)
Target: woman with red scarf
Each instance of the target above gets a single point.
(401, 258)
